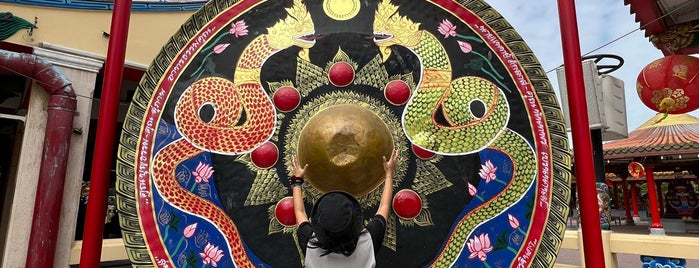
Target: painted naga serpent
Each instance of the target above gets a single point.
(244, 118)
(460, 132)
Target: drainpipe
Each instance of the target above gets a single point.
(54, 157)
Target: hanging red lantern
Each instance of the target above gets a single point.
(636, 170)
(670, 85)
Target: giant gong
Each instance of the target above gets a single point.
(206, 149)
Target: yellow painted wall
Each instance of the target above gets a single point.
(82, 29)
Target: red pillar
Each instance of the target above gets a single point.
(661, 201)
(634, 199)
(105, 137)
(653, 200)
(627, 208)
(582, 140)
(615, 196)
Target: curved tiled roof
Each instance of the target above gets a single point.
(676, 134)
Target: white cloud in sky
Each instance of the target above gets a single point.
(599, 22)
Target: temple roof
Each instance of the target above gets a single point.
(673, 136)
(669, 24)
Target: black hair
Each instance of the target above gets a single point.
(346, 248)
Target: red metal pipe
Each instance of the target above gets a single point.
(582, 143)
(652, 199)
(54, 158)
(104, 142)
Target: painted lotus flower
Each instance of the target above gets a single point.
(465, 47)
(239, 28)
(487, 171)
(218, 49)
(514, 222)
(189, 230)
(211, 255)
(447, 28)
(479, 246)
(472, 189)
(203, 172)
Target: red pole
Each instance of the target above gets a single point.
(582, 142)
(653, 200)
(629, 218)
(106, 132)
(634, 199)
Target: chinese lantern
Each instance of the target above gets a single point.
(670, 85)
(636, 170)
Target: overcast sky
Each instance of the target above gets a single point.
(599, 22)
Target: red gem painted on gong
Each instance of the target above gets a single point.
(265, 156)
(407, 204)
(422, 153)
(286, 99)
(341, 74)
(284, 211)
(397, 92)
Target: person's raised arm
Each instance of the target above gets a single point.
(296, 182)
(387, 195)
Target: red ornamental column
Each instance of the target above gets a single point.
(661, 201)
(656, 228)
(634, 200)
(627, 208)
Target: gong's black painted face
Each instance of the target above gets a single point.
(225, 105)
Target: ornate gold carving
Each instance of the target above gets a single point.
(401, 29)
(266, 187)
(274, 225)
(309, 76)
(429, 179)
(274, 86)
(423, 219)
(339, 57)
(676, 37)
(390, 240)
(373, 74)
(287, 31)
(341, 9)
